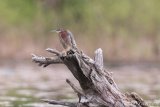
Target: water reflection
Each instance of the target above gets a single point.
(24, 85)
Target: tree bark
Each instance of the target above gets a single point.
(98, 88)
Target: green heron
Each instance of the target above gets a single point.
(66, 39)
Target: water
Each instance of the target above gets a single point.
(24, 85)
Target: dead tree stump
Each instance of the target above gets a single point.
(98, 88)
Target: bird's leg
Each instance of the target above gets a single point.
(67, 51)
(64, 52)
(70, 50)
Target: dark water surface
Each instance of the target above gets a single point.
(24, 85)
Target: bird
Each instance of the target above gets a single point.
(66, 39)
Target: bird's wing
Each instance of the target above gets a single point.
(72, 39)
(62, 42)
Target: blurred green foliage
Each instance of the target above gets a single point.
(17, 11)
(111, 21)
(126, 15)
(109, 14)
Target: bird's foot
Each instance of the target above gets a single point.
(71, 51)
(64, 53)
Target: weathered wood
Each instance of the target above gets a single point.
(98, 88)
(54, 51)
(69, 104)
(99, 58)
(45, 61)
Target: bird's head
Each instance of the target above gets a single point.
(60, 30)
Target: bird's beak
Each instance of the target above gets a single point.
(55, 31)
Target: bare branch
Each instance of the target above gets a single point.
(76, 90)
(54, 102)
(99, 58)
(45, 61)
(54, 51)
(139, 99)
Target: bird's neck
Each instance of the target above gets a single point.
(63, 34)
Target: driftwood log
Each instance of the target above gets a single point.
(98, 89)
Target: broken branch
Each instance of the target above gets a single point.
(45, 61)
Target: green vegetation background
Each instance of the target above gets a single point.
(126, 30)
